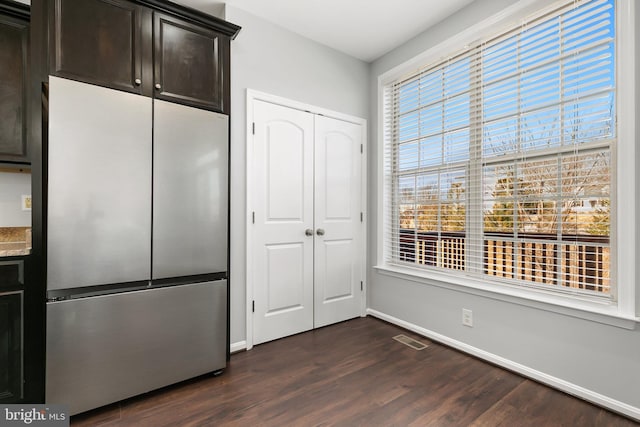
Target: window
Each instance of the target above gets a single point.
(498, 160)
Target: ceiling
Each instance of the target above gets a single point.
(364, 29)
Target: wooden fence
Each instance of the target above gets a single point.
(575, 261)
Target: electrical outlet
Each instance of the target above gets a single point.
(467, 317)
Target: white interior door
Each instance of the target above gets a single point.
(338, 239)
(307, 230)
(283, 209)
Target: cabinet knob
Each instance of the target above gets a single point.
(158, 86)
(138, 82)
(320, 232)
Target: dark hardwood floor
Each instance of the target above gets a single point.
(354, 374)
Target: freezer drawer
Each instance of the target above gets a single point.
(104, 349)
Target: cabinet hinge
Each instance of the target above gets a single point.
(361, 217)
(253, 128)
(361, 148)
(361, 286)
(253, 217)
(253, 306)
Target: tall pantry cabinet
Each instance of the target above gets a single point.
(15, 293)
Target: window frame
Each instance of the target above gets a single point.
(621, 310)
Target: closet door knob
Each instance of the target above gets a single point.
(308, 232)
(320, 232)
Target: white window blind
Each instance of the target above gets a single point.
(498, 159)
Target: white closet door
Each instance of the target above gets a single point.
(338, 239)
(283, 206)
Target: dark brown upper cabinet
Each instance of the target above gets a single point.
(14, 42)
(189, 63)
(100, 42)
(149, 47)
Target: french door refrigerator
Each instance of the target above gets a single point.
(137, 208)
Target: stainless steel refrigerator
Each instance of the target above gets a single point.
(137, 216)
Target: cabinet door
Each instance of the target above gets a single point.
(14, 35)
(189, 63)
(101, 42)
(10, 347)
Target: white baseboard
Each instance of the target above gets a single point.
(565, 386)
(237, 346)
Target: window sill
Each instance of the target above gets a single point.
(581, 307)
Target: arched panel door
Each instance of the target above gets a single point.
(283, 209)
(338, 240)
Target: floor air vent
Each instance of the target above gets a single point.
(416, 345)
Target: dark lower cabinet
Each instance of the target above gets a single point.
(100, 42)
(14, 37)
(188, 63)
(11, 348)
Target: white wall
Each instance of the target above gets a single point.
(14, 185)
(603, 359)
(270, 59)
